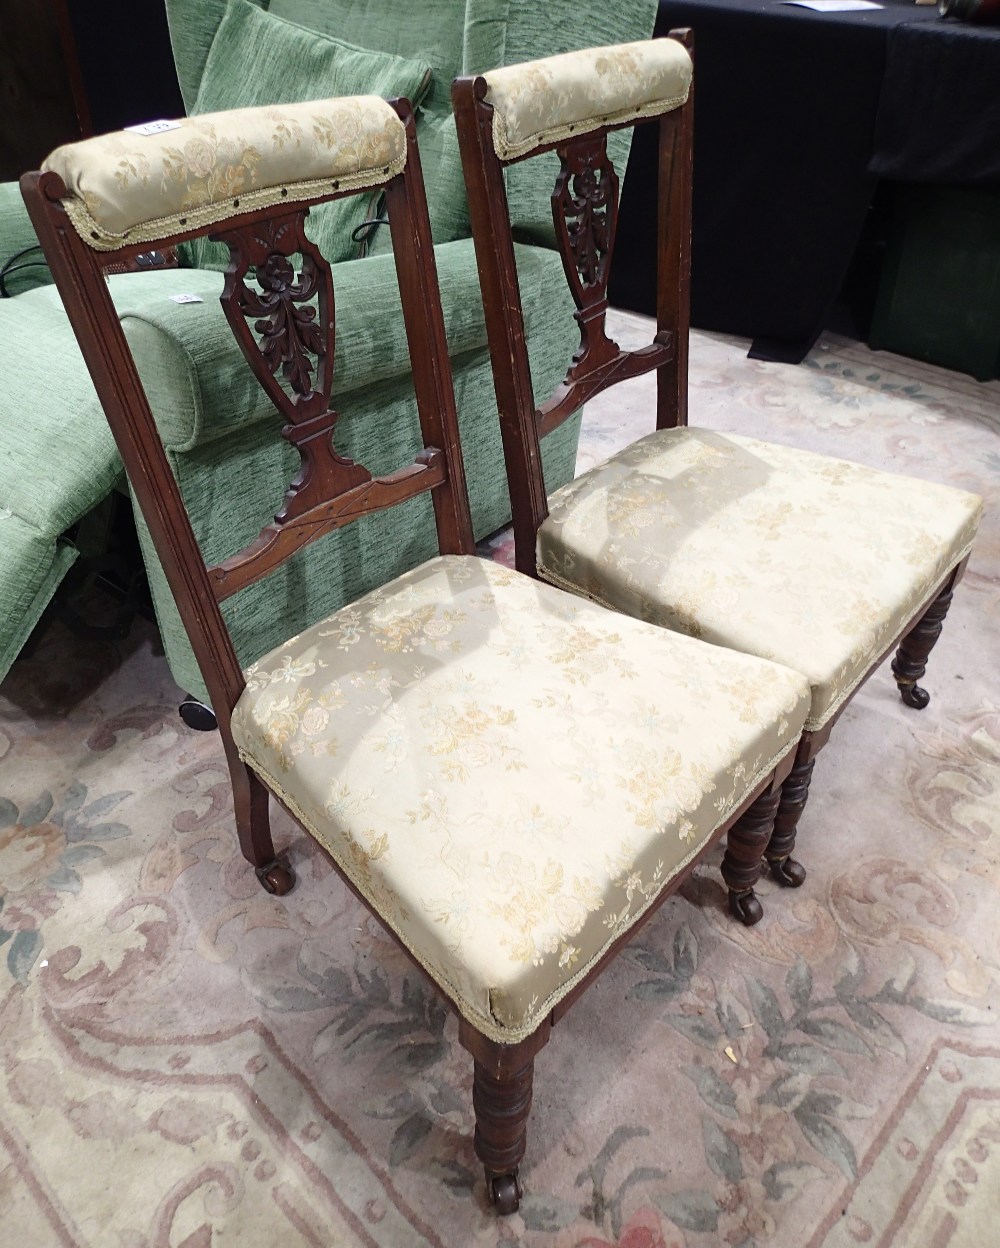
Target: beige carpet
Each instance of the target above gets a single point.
(186, 1062)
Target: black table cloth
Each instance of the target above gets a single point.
(785, 108)
(939, 112)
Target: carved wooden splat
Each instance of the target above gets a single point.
(585, 213)
(285, 328)
(585, 204)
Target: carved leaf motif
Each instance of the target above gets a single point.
(289, 333)
(586, 199)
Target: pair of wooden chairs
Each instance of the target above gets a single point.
(509, 776)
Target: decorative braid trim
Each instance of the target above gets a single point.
(100, 239)
(507, 150)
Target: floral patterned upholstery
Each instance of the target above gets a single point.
(509, 774)
(546, 100)
(129, 188)
(813, 562)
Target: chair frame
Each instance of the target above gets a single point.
(327, 493)
(584, 212)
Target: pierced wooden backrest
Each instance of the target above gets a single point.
(285, 326)
(585, 213)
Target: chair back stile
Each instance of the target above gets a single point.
(584, 210)
(297, 341)
(673, 251)
(489, 215)
(79, 274)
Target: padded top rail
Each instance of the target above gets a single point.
(128, 187)
(539, 102)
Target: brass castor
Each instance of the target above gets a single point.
(505, 1193)
(914, 695)
(275, 878)
(746, 907)
(788, 872)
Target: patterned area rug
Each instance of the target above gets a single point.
(186, 1062)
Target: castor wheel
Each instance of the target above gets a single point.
(197, 715)
(505, 1193)
(275, 878)
(746, 907)
(915, 696)
(788, 872)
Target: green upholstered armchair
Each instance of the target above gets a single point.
(57, 458)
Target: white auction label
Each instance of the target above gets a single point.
(154, 127)
(187, 298)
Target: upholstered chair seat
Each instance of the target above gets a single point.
(823, 565)
(763, 548)
(385, 727)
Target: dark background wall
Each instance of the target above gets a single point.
(71, 68)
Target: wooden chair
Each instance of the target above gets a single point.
(510, 779)
(822, 565)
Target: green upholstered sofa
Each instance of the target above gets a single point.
(57, 458)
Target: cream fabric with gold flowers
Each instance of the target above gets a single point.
(129, 188)
(510, 775)
(810, 561)
(543, 101)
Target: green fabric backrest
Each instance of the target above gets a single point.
(193, 24)
(435, 31)
(259, 58)
(536, 30)
(431, 30)
(454, 37)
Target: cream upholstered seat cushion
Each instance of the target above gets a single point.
(509, 774)
(546, 100)
(128, 188)
(814, 562)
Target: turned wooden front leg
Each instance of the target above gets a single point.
(501, 1096)
(502, 1106)
(794, 795)
(745, 845)
(910, 662)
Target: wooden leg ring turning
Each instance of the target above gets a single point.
(502, 1105)
(910, 662)
(741, 865)
(794, 795)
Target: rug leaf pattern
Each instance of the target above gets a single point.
(186, 1062)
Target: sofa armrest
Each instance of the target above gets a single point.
(17, 235)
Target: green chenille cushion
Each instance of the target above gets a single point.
(438, 31)
(257, 59)
(17, 235)
(193, 24)
(199, 385)
(57, 459)
(377, 427)
(536, 30)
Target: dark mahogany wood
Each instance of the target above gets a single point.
(910, 662)
(501, 1097)
(794, 795)
(585, 220)
(747, 841)
(285, 326)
